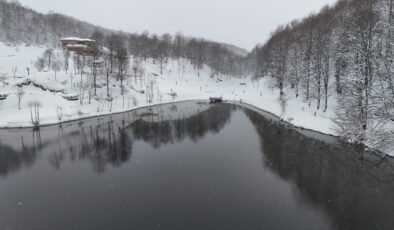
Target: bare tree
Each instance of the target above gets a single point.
(56, 67)
(164, 50)
(81, 62)
(99, 37)
(283, 102)
(123, 65)
(59, 111)
(135, 101)
(66, 55)
(3, 78)
(114, 42)
(19, 94)
(48, 54)
(14, 71)
(35, 113)
(93, 64)
(39, 64)
(136, 68)
(107, 71)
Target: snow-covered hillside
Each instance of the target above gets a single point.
(178, 82)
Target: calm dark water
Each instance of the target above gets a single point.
(190, 166)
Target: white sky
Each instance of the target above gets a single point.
(240, 22)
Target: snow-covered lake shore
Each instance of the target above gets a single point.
(178, 81)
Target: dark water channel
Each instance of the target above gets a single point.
(190, 166)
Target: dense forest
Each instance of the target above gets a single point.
(345, 52)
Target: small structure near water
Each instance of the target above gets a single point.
(215, 100)
(3, 96)
(71, 97)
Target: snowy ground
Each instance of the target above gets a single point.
(179, 78)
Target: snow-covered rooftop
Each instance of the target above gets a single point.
(77, 39)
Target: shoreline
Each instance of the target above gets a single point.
(94, 116)
(232, 102)
(301, 129)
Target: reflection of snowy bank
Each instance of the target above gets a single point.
(172, 111)
(109, 140)
(22, 138)
(180, 81)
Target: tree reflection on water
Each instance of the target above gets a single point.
(110, 142)
(355, 187)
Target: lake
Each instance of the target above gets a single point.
(190, 165)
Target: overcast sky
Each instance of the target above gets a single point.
(240, 22)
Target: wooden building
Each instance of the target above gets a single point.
(81, 46)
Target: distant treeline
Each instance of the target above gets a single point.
(198, 51)
(19, 24)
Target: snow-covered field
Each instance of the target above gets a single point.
(178, 82)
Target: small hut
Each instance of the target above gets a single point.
(3, 96)
(81, 46)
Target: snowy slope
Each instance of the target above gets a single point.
(178, 78)
(20, 57)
